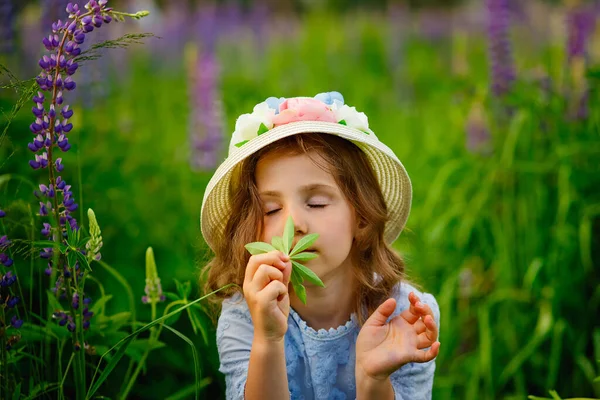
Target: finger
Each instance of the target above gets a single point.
(432, 328)
(413, 298)
(430, 354)
(265, 274)
(382, 313)
(274, 258)
(423, 309)
(271, 292)
(411, 314)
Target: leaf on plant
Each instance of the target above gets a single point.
(299, 289)
(100, 303)
(304, 256)
(288, 235)
(304, 243)
(184, 289)
(82, 260)
(255, 248)
(71, 258)
(277, 242)
(53, 301)
(308, 274)
(50, 244)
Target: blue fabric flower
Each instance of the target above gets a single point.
(274, 102)
(329, 97)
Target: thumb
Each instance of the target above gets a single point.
(382, 313)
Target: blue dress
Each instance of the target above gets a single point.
(320, 364)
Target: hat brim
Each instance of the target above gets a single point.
(392, 176)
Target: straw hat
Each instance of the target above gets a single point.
(275, 119)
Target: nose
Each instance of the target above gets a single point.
(300, 222)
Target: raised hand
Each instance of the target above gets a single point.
(382, 348)
(266, 292)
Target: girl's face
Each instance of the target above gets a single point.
(294, 185)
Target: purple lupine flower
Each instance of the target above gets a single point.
(51, 125)
(4, 257)
(581, 22)
(397, 21)
(259, 20)
(15, 322)
(206, 125)
(7, 26)
(12, 301)
(502, 71)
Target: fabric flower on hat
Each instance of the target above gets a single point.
(350, 117)
(303, 109)
(330, 97)
(248, 126)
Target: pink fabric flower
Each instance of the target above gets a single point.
(303, 109)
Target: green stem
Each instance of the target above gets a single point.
(79, 358)
(154, 335)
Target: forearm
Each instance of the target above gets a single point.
(267, 374)
(369, 388)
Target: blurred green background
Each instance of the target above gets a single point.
(492, 106)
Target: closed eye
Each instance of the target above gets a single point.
(317, 205)
(272, 211)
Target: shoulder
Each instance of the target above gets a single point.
(400, 293)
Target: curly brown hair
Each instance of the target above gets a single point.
(372, 257)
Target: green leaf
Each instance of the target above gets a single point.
(304, 256)
(53, 301)
(184, 289)
(98, 304)
(171, 296)
(299, 288)
(288, 235)
(240, 144)
(304, 243)
(71, 258)
(277, 242)
(343, 122)
(262, 129)
(198, 314)
(49, 243)
(17, 392)
(194, 355)
(255, 248)
(308, 274)
(111, 365)
(82, 260)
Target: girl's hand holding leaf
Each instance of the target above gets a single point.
(266, 292)
(283, 244)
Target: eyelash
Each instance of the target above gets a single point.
(310, 205)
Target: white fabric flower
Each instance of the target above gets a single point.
(353, 118)
(247, 125)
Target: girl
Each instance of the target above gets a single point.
(368, 334)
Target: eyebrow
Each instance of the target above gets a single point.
(304, 189)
